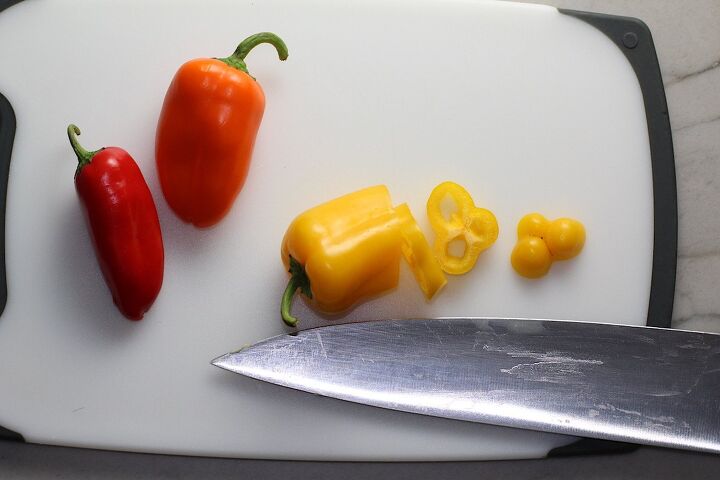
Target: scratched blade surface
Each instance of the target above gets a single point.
(642, 385)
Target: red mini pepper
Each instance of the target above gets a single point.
(123, 225)
(206, 132)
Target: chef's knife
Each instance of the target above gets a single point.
(634, 384)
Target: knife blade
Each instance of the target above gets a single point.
(634, 384)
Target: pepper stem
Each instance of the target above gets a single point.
(298, 279)
(237, 59)
(286, 303)
(84, 157)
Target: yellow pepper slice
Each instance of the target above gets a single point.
(349, 249)
(532, 224)
(476, 227)
(540, 242)
(565, 238)
(419, 255)
(531, 257)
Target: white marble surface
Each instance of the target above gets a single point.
(686, 34)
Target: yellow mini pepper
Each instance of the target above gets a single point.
(349, 249)
(476, 227)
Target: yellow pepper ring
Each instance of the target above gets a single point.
(477, 227)
(460, 197)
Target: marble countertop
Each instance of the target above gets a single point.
(687, 40)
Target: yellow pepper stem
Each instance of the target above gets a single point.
(298, 279)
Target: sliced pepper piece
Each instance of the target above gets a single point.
(349, 249)
(476, 227)
(419, 255)
(541, 242)
(531, 257)
(565, 237)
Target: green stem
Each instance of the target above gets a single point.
(286, 303)
(84, 157)
(298, 279)
(237, 59)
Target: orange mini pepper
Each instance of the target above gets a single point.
(206, 132)
(349, 249)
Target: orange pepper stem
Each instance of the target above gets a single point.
(237, 59)
(298, 279)
(84, 157)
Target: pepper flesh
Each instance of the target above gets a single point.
(565, 238)
(419, 255)
(206, 133)
(531, 257)
(349, 249)
(123, 224)
(476, 227)
(541, 242)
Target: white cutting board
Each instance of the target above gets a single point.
(531, 110)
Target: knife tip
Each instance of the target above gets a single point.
(220, 361)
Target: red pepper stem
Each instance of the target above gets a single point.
(84, 157)
(237, 59)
